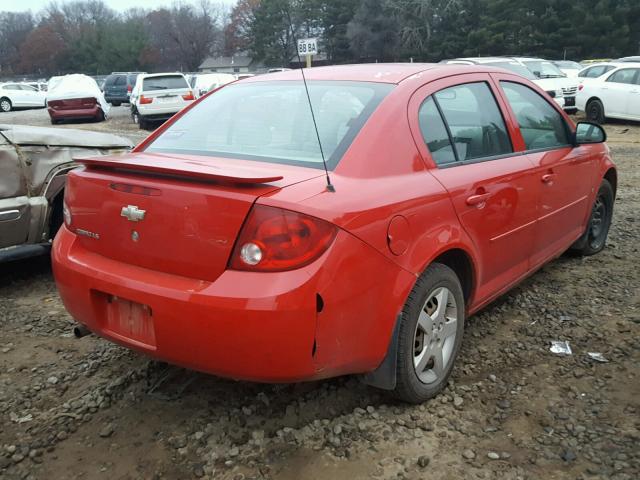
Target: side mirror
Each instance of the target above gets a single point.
(589, 133)
(536, 73)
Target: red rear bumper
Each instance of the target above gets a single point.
(74, 113)
(245, 325)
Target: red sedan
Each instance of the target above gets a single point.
(219, 245)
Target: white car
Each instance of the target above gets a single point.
(158, 96)
(205, 82)
(546, 70)
(616, 94)
(595, 70)
(18, 95)
(548, 85)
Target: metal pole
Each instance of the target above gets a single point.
(308, 61)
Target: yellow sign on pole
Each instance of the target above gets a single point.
(308, 61)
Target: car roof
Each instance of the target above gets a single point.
(393, 73)
(481, 60)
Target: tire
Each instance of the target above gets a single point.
(425, 330)
(5, 104)
(595, 111)
(56, 218)
(116, 104)
(54, 122)
(594, 238)
(100, 117)
(142, 123)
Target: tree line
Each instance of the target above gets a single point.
(87, 36)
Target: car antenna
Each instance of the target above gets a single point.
(330, 186)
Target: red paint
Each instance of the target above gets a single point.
(392, 214)
(74, 108)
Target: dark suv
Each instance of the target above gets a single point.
(118, 86)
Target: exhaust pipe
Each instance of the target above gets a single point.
(80, 331)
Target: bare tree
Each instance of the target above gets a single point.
(14, 29)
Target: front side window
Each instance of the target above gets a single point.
(541, 125)
(626, 75)
(271, 122)
(474, 121)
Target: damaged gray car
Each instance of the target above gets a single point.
(34, 162)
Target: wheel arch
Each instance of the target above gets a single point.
(611, 175)
(461, 263)
(591, 99)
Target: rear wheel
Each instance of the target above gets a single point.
(142, 123)
(116, 104)
(100, 117)
(430, 334)
(595, 111)
(595, 236)
(5, 104)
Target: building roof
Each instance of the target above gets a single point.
(227, 62)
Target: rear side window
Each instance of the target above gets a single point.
(164, 83)
(476, 127)
(435, 133)
(541, 125)
(626, 75)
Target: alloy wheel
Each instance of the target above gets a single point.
(5, 106)
(435, 335)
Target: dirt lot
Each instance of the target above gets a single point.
(88, 409)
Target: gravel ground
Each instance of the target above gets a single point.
(513, 410)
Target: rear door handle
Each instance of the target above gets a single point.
(478, 199)
(548, 177)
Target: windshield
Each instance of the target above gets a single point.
(544, 69)
(515, 68)
(271, 122)
(568, 64)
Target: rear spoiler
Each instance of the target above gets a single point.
(189, 167)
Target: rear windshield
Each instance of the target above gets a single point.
(164, 83)
(272, 122)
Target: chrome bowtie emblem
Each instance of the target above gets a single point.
(132, 213)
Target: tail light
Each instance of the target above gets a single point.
(188, 96)
(129, 88)
(273, 240)
(145, 100)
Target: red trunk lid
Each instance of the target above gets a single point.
(182, 214)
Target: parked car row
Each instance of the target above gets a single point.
(541, 72)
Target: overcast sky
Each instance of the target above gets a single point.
(120, 5)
